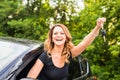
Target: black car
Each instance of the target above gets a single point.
(17, 56)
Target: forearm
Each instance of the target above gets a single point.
(33, 73)
(91, 36)
(85, 42)
(88, 39)
(35, 70)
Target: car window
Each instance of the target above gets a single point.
(9, 51)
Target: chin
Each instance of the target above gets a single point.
(59, 44)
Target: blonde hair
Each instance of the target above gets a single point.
(49, 45)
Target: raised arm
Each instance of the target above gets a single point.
(35, 70)
(77, 50)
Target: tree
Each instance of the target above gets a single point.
(7, 9)
(32, 21)
(104, 56)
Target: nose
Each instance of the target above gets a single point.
(58, 34)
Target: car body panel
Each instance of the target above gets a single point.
(12, 51)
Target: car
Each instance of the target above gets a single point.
(19, 55)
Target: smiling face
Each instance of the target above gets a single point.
(58, 36)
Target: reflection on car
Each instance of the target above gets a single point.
(17, 56)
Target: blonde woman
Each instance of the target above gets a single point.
(53, 64)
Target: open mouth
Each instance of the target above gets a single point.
(58, 39)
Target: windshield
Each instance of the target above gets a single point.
(9, 51)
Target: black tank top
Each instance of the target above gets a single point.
(50, 71)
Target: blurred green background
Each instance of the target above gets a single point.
(31, 19)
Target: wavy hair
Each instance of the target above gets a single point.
(49, 45)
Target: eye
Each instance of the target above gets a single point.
(55, 33)
(62, 33)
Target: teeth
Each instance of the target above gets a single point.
(59, 40)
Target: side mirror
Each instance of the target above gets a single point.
(85, 71)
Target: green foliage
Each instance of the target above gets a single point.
(107, 72)
(6, 9)
(103, 55)
(33, 19)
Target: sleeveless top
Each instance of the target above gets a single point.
(50, 71)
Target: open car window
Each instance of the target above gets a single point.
(28, 61)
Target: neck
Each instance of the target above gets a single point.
(57, 50)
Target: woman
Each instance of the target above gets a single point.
(54, 62)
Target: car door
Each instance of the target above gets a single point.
(27, 62)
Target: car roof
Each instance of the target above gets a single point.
(22, 41)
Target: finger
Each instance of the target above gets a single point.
(103, 19)
(99, 20)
